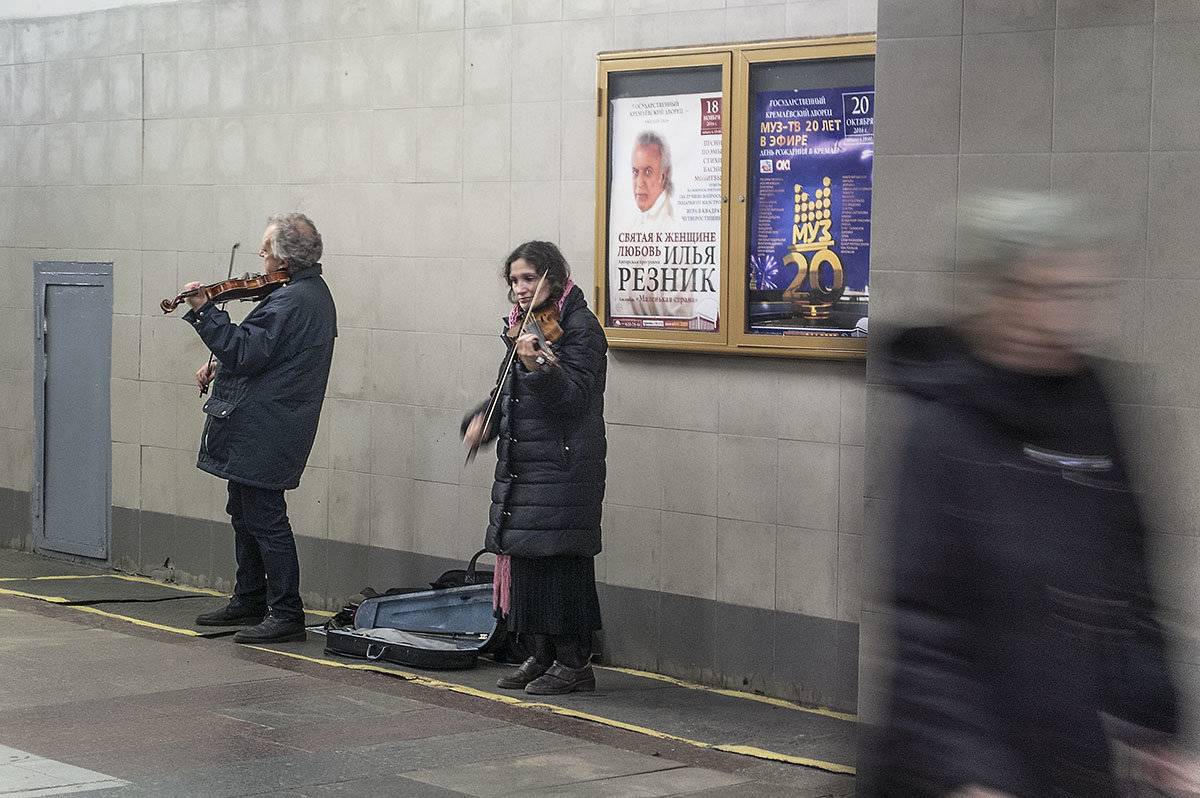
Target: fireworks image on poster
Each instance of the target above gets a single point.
(810, 224)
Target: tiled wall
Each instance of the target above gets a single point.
(425, 138)
(1097, 97)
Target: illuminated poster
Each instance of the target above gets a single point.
(810, 223)
(664, 213)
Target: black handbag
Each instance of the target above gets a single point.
(459, 577)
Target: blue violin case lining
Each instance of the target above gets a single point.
(439, 629)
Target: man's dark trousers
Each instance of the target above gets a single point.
(268, 570)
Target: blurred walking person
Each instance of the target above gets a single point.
(1024, 620)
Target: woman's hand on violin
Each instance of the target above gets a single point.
(529, 353)
(205, 375)
(474, 435)
(195, 300)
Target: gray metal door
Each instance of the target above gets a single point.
(72, 491)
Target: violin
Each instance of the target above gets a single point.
(247, 288)
(543, 324)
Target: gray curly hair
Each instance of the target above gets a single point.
(999, 228)
(294, 239)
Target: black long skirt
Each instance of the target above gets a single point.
(553, 596)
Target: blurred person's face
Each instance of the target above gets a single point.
(1043, 316)
(649, 179)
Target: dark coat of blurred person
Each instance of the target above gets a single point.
(1023, 616)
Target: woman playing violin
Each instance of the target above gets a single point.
(546, 415)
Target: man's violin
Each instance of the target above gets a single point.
(249, 287)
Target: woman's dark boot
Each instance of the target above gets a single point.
(532, 668)
(560, 679)
(571, 671)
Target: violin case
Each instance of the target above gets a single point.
(439, 629)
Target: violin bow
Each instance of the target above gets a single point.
(211, 355)
(487, 418)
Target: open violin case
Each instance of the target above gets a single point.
(441, 629)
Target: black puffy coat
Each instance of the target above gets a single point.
(271, 376)
(1022, 607)
(551, 447)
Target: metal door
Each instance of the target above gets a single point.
(72, 491)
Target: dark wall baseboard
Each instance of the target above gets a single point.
(16, 515)
(780, 654)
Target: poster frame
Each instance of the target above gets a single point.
(677, 340)
(737, 61)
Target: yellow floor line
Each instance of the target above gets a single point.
(438, 684)
(761, 753)
(138, 621)
(126, 577)
(23, 594)
(60, 576)
(762, 699)
(145, 580)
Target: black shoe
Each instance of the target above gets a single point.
(560, 679)
(273, 629)
(530, 669)
(232, 615)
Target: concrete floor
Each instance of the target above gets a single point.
(103, 699)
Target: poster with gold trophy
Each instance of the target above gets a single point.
(810, 220)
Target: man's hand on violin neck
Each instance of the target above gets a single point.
(195, 300)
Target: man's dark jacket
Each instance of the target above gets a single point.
(549, 431)
(273, 369)
(1022, 607)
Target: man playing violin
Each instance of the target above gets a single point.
(268, 385)
(546, 415)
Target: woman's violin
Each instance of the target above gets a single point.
(249, 287)
(543, 324)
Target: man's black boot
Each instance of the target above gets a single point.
(232, 615)
(273, 629)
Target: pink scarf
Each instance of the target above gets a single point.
(502, 585)
(514, 317)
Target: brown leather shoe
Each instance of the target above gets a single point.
(530, 669)
(560, 679)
